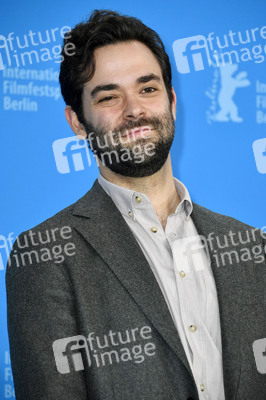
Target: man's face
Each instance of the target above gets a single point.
(128, 118)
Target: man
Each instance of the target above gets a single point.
(138, 293)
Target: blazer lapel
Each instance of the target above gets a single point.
(104, 228)
(229, 303)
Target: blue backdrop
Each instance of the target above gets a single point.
(217, 51)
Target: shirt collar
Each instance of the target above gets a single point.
(127, 200)
(185, 198)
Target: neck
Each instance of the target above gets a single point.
(159, 187)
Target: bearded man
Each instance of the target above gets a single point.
(142, 307)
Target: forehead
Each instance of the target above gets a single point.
(124, 62)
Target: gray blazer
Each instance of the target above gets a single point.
(104, 284)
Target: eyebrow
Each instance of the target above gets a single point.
(99, 88)
(148, 78)
(113, 86)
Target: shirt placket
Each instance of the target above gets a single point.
(190, 304)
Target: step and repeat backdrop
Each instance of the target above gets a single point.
(217, 51)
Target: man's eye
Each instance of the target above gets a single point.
(107, 98)
(148, 90)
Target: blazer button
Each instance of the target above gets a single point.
(190, 398)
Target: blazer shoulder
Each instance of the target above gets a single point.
(219, 220)
(67, 215)
(62, 218)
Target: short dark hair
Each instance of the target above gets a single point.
(104, 27)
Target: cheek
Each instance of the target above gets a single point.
(159, 105)
(109, 117)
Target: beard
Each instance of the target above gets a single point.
(132, 156)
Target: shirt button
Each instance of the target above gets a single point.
(138, 199)
(154, 229)
(130, 214)
(192, 328)
(202, 387)
(188, 218)
(182, 274)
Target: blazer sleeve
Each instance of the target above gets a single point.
(40, 310)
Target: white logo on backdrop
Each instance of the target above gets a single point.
(224, 85)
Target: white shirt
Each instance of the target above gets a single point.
(182, 269)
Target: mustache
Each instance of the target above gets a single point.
(156, 122)
(153, 122)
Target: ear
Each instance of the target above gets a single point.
(74, 123)
(173, 105)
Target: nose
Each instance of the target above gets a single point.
(133, 109)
